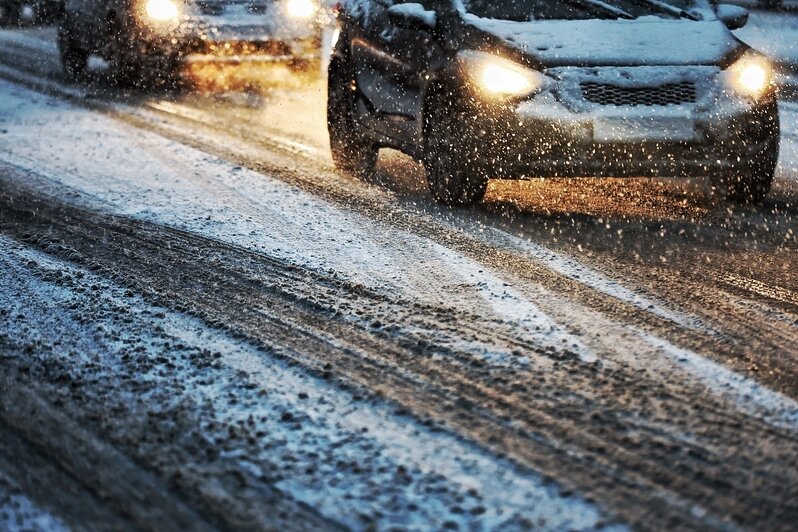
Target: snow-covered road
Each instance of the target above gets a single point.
(189, 282)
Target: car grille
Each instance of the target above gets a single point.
(668, 94)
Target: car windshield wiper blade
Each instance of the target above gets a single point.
(598, 5)
(668, 9)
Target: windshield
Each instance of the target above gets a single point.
(526, 10)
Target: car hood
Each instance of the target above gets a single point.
(642, 41)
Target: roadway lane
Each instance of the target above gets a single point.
(633, 342)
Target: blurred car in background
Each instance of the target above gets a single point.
(29, 11)
(146, 39)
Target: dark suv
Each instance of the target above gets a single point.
(514, 88)
(140, 37)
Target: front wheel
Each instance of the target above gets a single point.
(454, 177)
(750, 179)
(352, 151)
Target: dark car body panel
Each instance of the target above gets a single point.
(397, 70)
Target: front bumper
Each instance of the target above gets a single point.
(261, 51)
(558, 134)
(192, 43)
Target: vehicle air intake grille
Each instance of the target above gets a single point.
(669, 94)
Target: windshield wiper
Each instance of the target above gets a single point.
(668, 9)
(598, 5)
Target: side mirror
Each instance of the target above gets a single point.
(734, 17)
(412, 17)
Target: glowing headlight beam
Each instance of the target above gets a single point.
(500, 80)
(496, 77)
(751, 76)
(162, 10)
(301, 9)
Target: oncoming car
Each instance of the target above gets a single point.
(140, 37)
(534, 88)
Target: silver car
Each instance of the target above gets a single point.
(141, 38)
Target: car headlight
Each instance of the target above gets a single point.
(499, 78)
(301, 9)
(751, 76)
(161, 11)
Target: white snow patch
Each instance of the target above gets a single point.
(143, 175)
(403, 441)
(788, 157)
(510, 305)
(17, 512)
(748, 395)
(580, 272)
(429, 18)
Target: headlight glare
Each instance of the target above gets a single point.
(499, 78)
(751, 76)
(162, 10)
(301, 9)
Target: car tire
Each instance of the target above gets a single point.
(749, 180)
(454, 178)
(352, 151)
(74, 58)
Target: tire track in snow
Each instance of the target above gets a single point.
(336, 428)
(514, 308)
(561, 264)
(580, 272)
(507, 303)
(769, 291)
(757, 400)
(562, 409)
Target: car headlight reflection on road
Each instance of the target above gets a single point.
(301, 9)
(751, 76)
(161, 11)
(499, 78)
